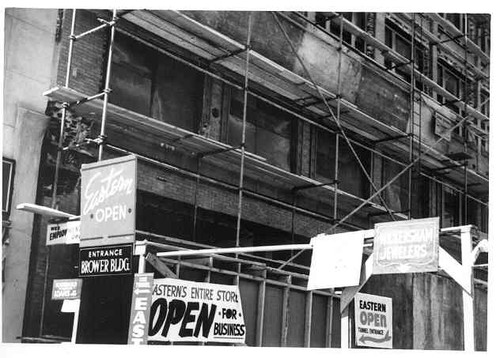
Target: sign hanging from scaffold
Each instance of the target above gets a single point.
(406, 246)
(108, 202)
(373, 320)
(186, 311)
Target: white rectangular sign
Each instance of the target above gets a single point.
(63, 233)
(186, 311)
(336, 260)
(373, 320)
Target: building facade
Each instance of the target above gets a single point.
(256, 129)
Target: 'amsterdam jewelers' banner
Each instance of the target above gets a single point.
(406, 246)
(196, 312)
(108, 202)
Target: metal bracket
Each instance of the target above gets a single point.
(230, 54)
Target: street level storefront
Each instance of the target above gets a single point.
(132, 291)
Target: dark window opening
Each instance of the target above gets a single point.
(401, 42)
(147, 82)
(396, 194)
(451, 208)
(175, 219)
(268, 130)
(350, 175)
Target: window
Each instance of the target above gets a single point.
(350, 175)
(360, 19)
(484, 103)
(450, 207)
(147, 82)
(396, 194)
(8, 167)
(458, 20)
(268, 129)
(452, 81)
(400, 41)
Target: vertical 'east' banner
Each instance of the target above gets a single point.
(139, 310)
(108, 202)
(196, 312)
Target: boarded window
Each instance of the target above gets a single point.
(268, 129)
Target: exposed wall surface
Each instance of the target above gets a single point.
(29, 55)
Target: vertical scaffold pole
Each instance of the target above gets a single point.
(72, 39)
(337, 136)
(102, 135)
(412, 113)
(466, 126)
(243, 131)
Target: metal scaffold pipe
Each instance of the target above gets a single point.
(70, 50)
(243, 130)
(102, 135)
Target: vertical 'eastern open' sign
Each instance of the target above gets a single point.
(406, 246)
(108, 202)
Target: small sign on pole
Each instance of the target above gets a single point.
(108, 202)
(63, 233)
(373, 321)
(139, 310)
(185, 311)
(406, 246)
(67, 289)
(104, 261)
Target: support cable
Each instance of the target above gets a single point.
(243, 136)
(332, 115)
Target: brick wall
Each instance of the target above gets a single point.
(89, 53)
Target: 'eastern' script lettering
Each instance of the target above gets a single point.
(113, 184)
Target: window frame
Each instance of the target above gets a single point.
(9, 186)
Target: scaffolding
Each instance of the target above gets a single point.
(254, 68)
